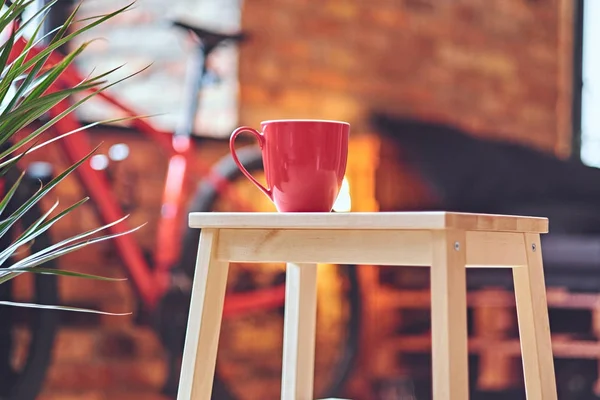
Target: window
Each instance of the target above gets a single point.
(587, 83)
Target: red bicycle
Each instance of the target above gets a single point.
(248, 365)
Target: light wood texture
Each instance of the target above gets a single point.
(366, 220)
(484, 249)
(534, 327)
(495, 249)
(449, 317)
(326, 246)
(204, 322)
(447, 242)
(299, 332)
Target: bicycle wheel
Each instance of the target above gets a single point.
(26, 335)
(250, 346)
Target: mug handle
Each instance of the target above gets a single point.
(261, 142)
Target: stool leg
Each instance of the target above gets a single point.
(204, 323)
(299, 332)
(449, 317)
(534, 327)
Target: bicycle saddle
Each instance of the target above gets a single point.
(210, 39)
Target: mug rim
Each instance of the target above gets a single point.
(330, 121)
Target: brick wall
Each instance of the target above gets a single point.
(496, 66)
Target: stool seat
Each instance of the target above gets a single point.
(431, 220)
(444, 241)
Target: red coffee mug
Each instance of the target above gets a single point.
(304, 161)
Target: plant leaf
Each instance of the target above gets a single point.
(9, 195)
(6, 224)
(11, 14)
(64, 242)
(28, 91)
(5, 167)
(62, 272)
(37, 228)
(54, 139)
(8, 45)
(29, 78)
(62, 41)
(19, 65)
(61, 308)
(67, 23)
(54, 73)
(71, 248)
(6, 253)
(24, 24)
(67, 111)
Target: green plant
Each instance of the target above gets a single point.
(25, 96)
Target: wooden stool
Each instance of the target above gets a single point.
(446, 242)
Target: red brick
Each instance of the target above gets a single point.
(458, 57)
(79, 376)
(256, 94)
(147, 342)
(77, 289)
(128, 344)
(345, 10)
(385, 16)
(74, 345)
(438, 48)
(142, 373)
(23, 287)
(337, 81)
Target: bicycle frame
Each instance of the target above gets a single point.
(149, 283)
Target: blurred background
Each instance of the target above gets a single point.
(462, 105)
